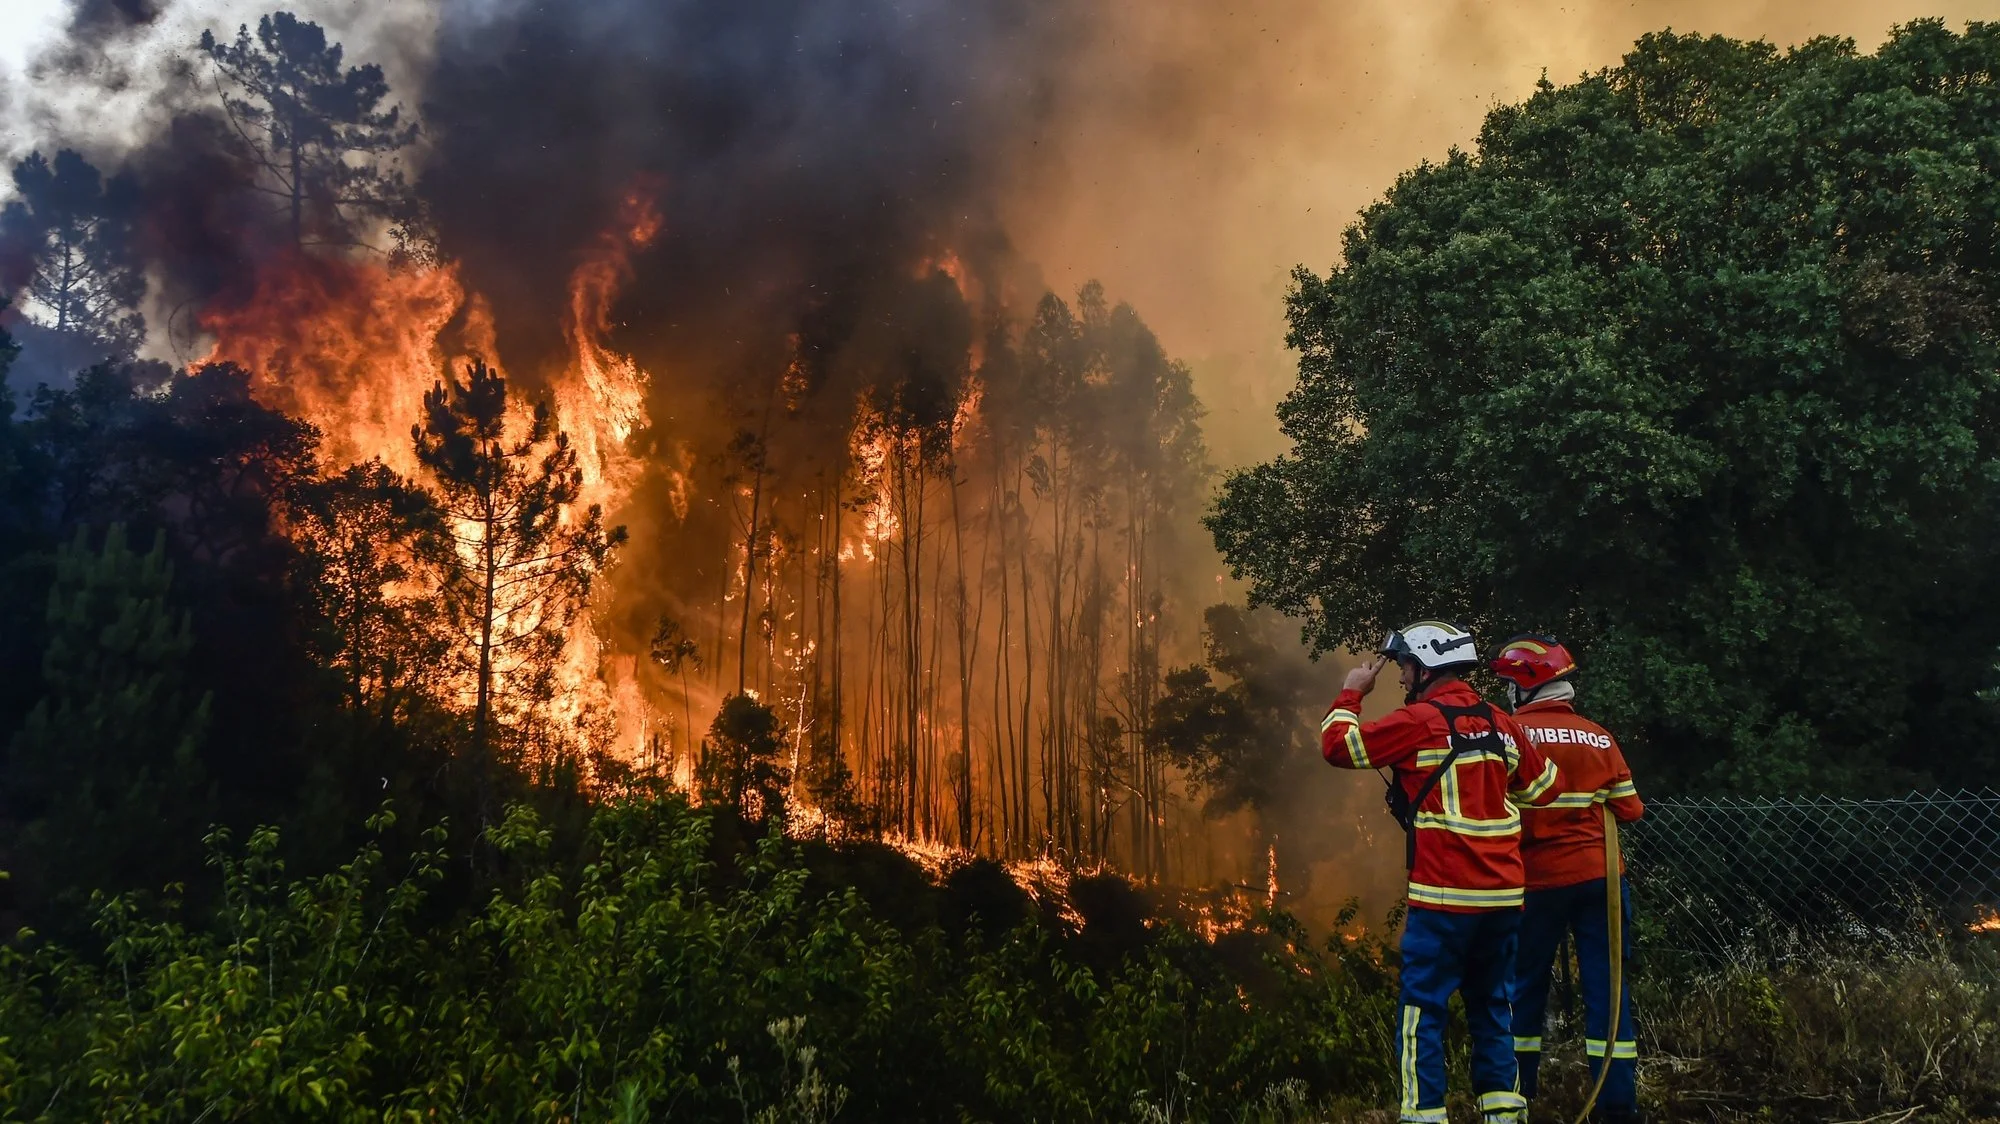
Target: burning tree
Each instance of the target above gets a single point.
(315, 132)
(1246, 741)
(676, 651)
(517, 557)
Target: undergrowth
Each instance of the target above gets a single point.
(668, 966)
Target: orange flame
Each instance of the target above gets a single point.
(601, 398)
(348, 346)
(352, 347)
(873, 445)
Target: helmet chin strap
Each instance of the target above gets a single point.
(1425, 679)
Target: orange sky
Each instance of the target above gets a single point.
(1223, 142)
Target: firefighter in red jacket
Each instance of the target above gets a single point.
(1459, 770)
(1563, 848)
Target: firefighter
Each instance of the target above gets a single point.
(1454, 762)
(1562, 846)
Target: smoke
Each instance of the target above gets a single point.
(1205, 149)
(803, 155)
(1188, 154)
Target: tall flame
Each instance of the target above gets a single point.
(349, 346)
(352, 346)
(601, 398)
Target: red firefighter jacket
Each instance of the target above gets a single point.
(1562, 843)
(1468, 831)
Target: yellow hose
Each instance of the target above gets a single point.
(1614, 916)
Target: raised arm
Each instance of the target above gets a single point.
(1349, 743)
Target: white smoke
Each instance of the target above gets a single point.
(104, 86)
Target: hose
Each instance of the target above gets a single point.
(1614, 917)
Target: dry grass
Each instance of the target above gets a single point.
(1894, 1032)
(1868, 1031)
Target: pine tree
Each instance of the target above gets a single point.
(316, 131)
(360, 534)
(85, 284)
(516, 557)
(105, 777)
(742, 758)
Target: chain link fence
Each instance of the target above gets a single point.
(1719, 878)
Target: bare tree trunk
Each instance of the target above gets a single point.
(749, 569)
(1003, 674)
(1031, 751)
(965, 665)
(489, 575)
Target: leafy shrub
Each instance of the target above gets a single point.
(638, 979)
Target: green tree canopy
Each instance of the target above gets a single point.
(1692, 362)
(743, 758)
(116, 739)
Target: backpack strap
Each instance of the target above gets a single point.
(1459, 743)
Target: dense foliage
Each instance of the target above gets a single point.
(1693, 362)
(669, 965)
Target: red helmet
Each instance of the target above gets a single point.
(1530, 661)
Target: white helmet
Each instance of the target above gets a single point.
(1434, 645)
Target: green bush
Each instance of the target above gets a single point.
(637, 977)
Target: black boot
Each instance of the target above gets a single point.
(1617, 1114)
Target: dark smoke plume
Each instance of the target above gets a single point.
(92, 18)
(803, 153)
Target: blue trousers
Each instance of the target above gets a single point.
(1472, 954)
(1576, 909)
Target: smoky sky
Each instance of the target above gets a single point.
(799, 152)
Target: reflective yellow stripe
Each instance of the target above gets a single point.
(1623, 789)
(1466, 825)
(1485, 899)
(1357, 753)
(1501, 1101)
(1423, 1116)
(1542, 783)
(1527, 1045)
(1429, 757)
(1411, 1094)
(1583, 799)
(1623, 1051)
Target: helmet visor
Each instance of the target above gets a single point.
(1396, 647)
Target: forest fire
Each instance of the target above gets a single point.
(708, 450)
(353, 347)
